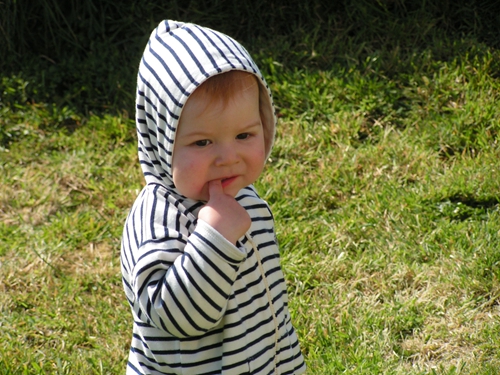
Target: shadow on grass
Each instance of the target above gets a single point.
(85, 54)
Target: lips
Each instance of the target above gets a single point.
(227, 181)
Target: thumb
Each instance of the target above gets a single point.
(214, 188)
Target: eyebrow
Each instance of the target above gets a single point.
(252, 125)
(244, 128)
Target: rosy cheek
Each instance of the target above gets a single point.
(196, 175)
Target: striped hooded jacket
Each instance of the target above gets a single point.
(200, 305)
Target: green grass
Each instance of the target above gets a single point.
(384, 182)
(62, 200)
(386, 193)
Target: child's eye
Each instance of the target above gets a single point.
(202, 143)
(243, 136)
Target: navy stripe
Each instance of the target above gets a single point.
(214, 248)
(145, 282)
(247, 303)
(207, 54)
(266, 218)
(229, 48)
(193, 56)
(186, 351)
(188, 295)
(222, 54)
(131, 366)
(172, 76)
(162, 84)
(160, 99)
(182, 311)
(158, 113)
(181, 64)
(153, 214)
(208, 261)
(207, 298)
(207, 279)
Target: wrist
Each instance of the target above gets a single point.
(217, 240)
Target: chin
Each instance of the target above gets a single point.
(233, 191)
(196, 197)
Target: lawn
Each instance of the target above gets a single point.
(384, 182)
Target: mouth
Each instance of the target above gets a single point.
(227, 181)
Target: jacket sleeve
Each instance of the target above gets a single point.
(180, 284)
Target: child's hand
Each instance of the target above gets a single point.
(224, 213)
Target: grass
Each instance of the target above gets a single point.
(388, 218)
(61, 300)
(384, 182)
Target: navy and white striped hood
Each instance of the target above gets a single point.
(178, 58)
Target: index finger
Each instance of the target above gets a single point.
(214, 188)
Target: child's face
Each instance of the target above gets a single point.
(219, 142)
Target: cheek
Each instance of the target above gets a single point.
(181, 169)
(258, 160)
(188, 175)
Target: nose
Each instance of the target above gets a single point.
(227, 154)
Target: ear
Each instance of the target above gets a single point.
(267, 116)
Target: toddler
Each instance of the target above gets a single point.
(200, 260)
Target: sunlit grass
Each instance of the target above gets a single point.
(385, 191)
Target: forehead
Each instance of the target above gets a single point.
(201, 108)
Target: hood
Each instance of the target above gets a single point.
(178, 58)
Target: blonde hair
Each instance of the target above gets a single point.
(223, 87)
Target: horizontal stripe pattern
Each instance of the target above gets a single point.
(200, 305)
